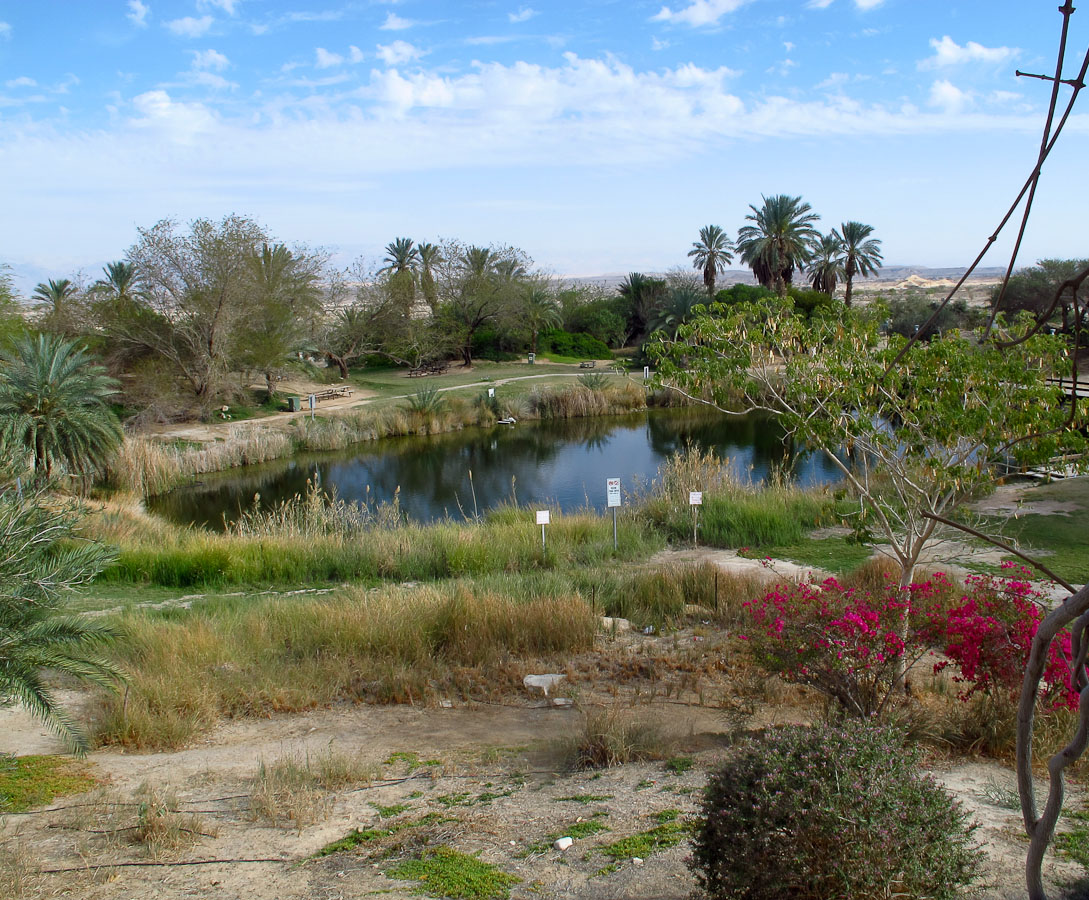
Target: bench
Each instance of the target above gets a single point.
(332, 393)
(428, 369)
(588, 364)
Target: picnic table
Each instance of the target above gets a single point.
(588, 364)
(332, 393)
(428, 369)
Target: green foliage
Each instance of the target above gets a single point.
(54, 407)
(812, 303)
(1034, 289)
(575, 345)
(642, 844)
(909, 312)
(603, 318)
(779, 240)
(743, 293)
(30, 781)
(40, 559)
(427, 401)
(443, 872)
(810, 813)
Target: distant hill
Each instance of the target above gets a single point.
(887, 275)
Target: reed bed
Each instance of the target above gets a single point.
(735, 512)
(339, 544)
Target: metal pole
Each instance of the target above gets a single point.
(614, 529)
(542, 539)
(695, 515)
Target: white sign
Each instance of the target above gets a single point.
(646, 373)
(313, 401)
(491, 392)
(695, 498)
(542, 517)
(612, 490)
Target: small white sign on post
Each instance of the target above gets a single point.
(542, 520)
(646, 373)
(491, 392)
(612, 492)
(612, 488)
(313, 403)
(695, 498)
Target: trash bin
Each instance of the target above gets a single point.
(294, 404)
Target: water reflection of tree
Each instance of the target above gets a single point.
(757, 437)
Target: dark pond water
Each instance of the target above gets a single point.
(564, 463)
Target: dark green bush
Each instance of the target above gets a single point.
(831, 811)
(566, 344)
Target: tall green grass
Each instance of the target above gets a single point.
(735, 513)
(153, 551)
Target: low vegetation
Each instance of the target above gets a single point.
(30, 781)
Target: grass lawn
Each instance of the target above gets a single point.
(1061, 538)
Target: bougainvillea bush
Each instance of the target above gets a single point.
(820, 812)
(848, 644)
(987, 636)
(851, 644)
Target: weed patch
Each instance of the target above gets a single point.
(442, 872)
(29, 781)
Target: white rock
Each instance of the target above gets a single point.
(446, 704)
(562, 702)
(608, 623)
(542, 683)
(636, 861)
(563, 843)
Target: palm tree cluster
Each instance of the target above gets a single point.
(781, 239)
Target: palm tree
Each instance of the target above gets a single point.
(826, 264)
(401, 256)
(711, 253)
(541, 312)
(122, 282)
(430, 256)
(55, 293)
(779, 241)
(39, 559)
(645, 297)
(862, 253)
(53, 406)
(676, 308)
(479, 261)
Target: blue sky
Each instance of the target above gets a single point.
(598, 136)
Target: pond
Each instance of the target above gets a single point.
(564, 463)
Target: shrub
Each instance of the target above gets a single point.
(849, 645)
(988, 637)
(808, 813)
(564, 343)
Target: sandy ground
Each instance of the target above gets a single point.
(491, 775)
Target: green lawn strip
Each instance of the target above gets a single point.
(442, 872)
(833, 554)
(29, 781)
(575, 830)
(678, 765)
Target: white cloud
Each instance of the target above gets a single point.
(948, 97)
(699, 12)
(656, 44)
(165, 118)
(323, 59)
(948, 52)
(835, 80)
(190, 27)
(395, 23)
(868, 4)
(228, 6)
(789, 45)
(819, 4)
(5, 30)
(210, 59)
(523, 15)
(355, 54)
(138, 13)
(398, 53)
(210, 80)
(21, 81)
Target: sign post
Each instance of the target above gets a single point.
(313, 403)
(646, 373)
(612, 492)
(542, 520)
(695, 500)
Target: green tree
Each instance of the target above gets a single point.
(862, 254)
(58, 299)
(54, 407)
(540, 312)
(711, 254)
(826, 265)
(40, 559)
(1034, 288)
(910, 446)
(402, 261)
(430, 256)
(778, 241)
(12, 322)
(122, 283)
(287, 304)
(645, 297)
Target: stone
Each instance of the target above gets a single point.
(563, 843)
(542, 683)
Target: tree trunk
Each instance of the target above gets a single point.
(270, 388)
(850, 286)
(338, 361)
(907, 575)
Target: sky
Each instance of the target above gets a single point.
(598, 136)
